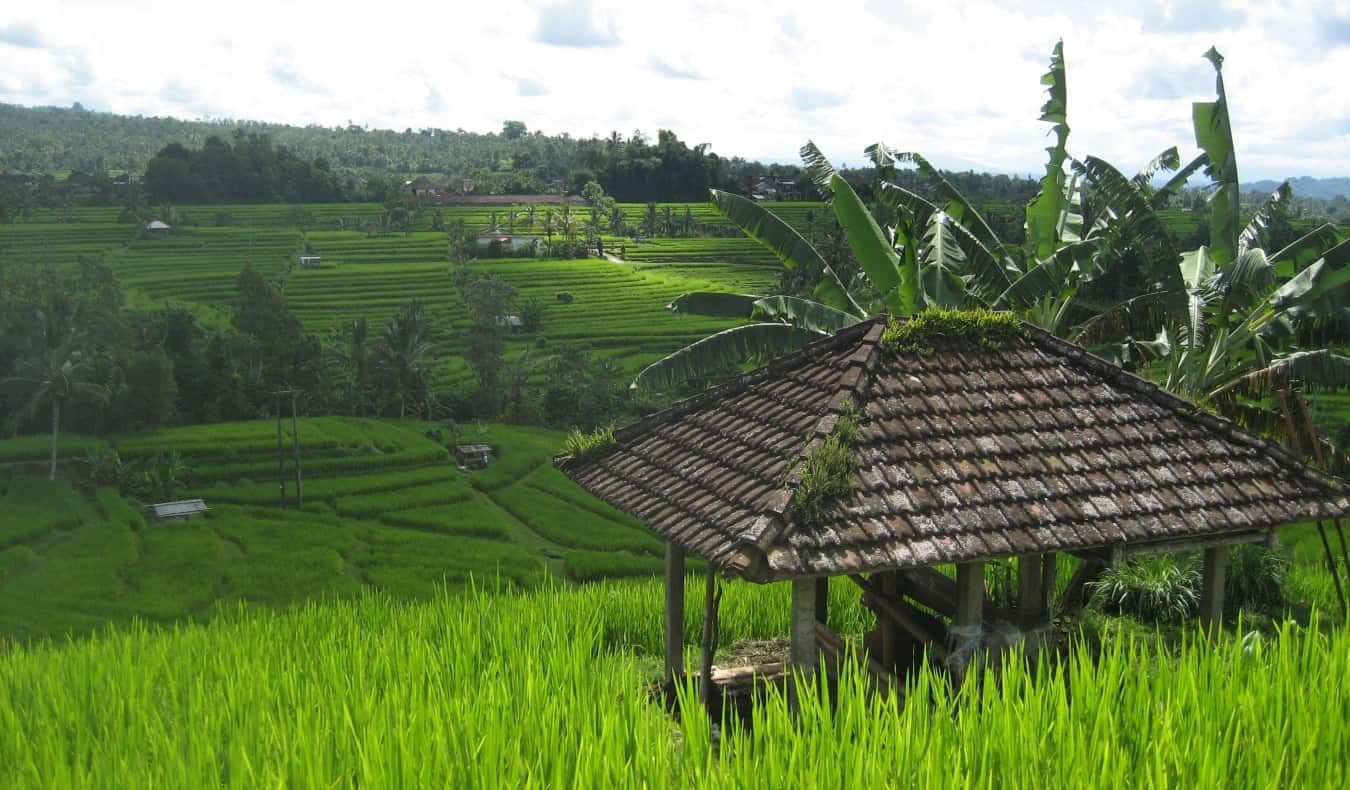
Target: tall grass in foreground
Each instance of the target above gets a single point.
(545, 688)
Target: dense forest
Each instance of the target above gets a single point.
(61, 157)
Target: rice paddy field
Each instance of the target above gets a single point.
(385, 508)
(617, 309)
(499, 688)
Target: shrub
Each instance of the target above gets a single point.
(1256, 578)
(1156, 588)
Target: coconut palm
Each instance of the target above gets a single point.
(52, 377)
(402, 354)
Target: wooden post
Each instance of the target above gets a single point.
(823, 600)
(805, 651)
(1049, 581)
(1028, 584)
(969, 594)
(712, 597)
(1211, 589)
(966, 631)
(674, 611)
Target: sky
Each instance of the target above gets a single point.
(957, 81)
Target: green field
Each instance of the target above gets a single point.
(617, 309)
(493, 689)
(385, 508)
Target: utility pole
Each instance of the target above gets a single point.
(281, 468)
(295, 446)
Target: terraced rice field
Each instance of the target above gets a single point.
(617, 311)
(385, 508)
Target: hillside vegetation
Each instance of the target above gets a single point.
(385, 508)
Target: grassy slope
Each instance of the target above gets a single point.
(385, 509)
(484, 690)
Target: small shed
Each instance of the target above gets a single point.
(158, 228)
(511, 323)
(310, 261)
(184, 509)
(473, 456)
(963, 454)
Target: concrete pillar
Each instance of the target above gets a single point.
(805, 651)
(1211, 589)
(674, 611)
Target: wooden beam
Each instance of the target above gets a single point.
(712, 598)
(1029, 583)
(805, 651)
(901, 614)
(1194, 544)
(938, 592)
(834, 648)
(1075, 594)
(1211, 589)
(674, 611)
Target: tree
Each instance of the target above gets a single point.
(488, 300)
(52, 377)
(402, 355)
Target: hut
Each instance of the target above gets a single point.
(964, 451)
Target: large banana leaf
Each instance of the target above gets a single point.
(1048, 277)
(1197, 267)
(804, 314)
(1214, 135)
(1159, 198)
(1320, 370)
(818, 167)
(1325, 280)
(1127, 219)
(1258, 228)
(1043, 214)
(942, 265)
(786, 243)
(1307, 248)
(717, 352)
(714, 303)
(1249, 277)
(957, 206)
(873, 250)
(1165, 162)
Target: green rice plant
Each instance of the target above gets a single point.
(1154, 588)
(586, 566)
(490, 688)
(571, 526)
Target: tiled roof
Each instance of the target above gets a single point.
(964, 454)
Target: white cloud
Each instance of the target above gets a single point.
(957, 81)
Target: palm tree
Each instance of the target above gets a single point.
(402, 354)
(52, 377)
(550, 224)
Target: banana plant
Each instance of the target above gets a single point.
(1241, 342)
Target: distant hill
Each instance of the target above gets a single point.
(1306, 186)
